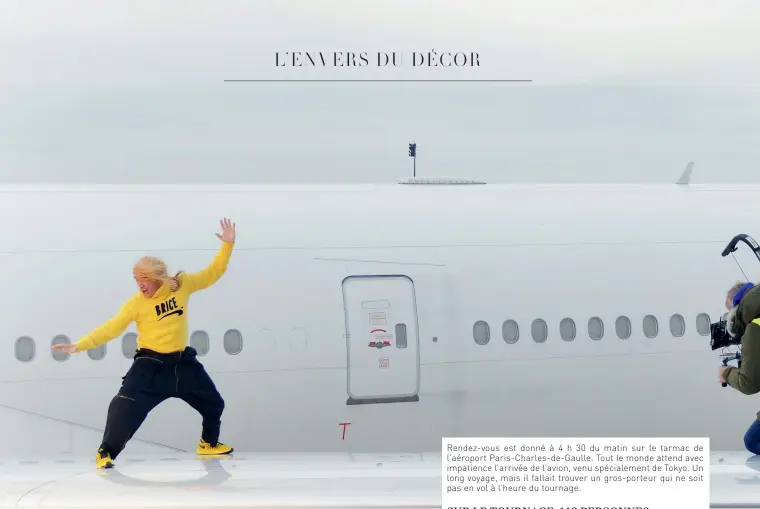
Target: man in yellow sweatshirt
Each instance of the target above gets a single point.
(164, 366)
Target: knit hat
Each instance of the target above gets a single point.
(741, 292)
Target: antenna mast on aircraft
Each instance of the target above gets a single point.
(433, 180)
(413, 155)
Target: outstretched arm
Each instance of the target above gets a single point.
(747, 379)
(107, 331)
(211, 274)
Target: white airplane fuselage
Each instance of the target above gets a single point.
(384, 317)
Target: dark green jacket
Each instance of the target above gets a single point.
(747, 379)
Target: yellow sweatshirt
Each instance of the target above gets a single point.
(161, 319)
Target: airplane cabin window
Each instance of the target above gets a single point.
(24, 349)
(60, 340)
(199, 340)
(233, 342)
(510, 332)
(595, 328)
(129, 345)
(539, 330)
(98, 353)
(623, 327)
(481, 332)
(567, 329)
(703, 324)
(650, 326)
(677, 325)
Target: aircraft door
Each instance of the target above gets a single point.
(382, 339)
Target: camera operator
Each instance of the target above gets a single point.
(743, 321)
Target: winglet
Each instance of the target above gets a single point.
(686, 175)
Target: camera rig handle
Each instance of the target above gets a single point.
(737, 357)
(742, 237)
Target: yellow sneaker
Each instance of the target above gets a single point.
(103, 459)
(205, 448)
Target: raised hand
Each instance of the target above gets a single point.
(228, 231)
(64, 347)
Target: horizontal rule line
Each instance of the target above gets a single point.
(374, 81)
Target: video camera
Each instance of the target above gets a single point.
(719, 336)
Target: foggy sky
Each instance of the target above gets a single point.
(134, 91)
